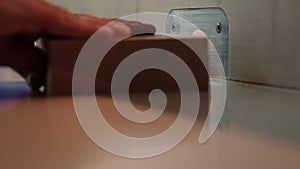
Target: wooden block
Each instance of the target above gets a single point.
(62, 55)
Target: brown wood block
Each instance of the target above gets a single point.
(62, 55)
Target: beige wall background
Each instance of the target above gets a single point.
(264, 34)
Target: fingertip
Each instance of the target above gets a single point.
(104, 31)
(149, 29)
(138, 28)
(120, 29)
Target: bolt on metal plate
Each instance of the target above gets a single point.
(212, 21)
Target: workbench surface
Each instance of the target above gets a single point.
(260, 129)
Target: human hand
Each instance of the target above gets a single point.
(22, 22)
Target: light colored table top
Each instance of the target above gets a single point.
(260, 129)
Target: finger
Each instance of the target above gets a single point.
(138, 28)
(119, 29)
(58, 21)
(38, 17)
(44, 18)
(94, 18)
(134, 26)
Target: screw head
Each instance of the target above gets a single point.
(173, 27)
(219, 27)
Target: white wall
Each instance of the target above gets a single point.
(264, 34)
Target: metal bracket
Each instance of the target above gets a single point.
(212, 21)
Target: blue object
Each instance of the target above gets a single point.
(12, 85)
